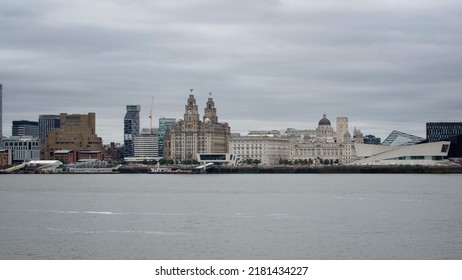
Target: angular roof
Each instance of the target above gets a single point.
(398, 138)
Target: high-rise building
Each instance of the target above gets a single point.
(191, 136)
(164, 126)
(131, 128)
(76, 133)
(47, 123)
(25, 128)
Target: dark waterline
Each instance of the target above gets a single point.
(274, 216)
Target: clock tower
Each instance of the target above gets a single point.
(191, 112)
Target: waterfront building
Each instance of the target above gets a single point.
(76, 133)
(324, 145)
(452, 131)
(371, 139)
(266, 149)
(6, 157)
(25, 128)
(131, 129)
(164, 125)
(435, 153)
(114, 151)
(398, 138)
(65, 156)
(191, 136)
(45, 124)
(23, 148)
(310, 145)
(146, 145)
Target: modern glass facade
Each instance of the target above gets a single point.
(164, 126)
(131, 129)
(398, 138)
(25, 128)
(437, 131)
(451, 131)
(47, 123)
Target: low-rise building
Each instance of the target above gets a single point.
(267, 150)
(435, 153)
(6, 158)
(23, 148)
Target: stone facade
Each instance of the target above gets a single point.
(268, 150)
(324, 146)
(191, 136)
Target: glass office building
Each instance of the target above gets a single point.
(131, 129)
(164, 126)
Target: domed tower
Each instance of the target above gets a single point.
(210, 112)
(325, 132)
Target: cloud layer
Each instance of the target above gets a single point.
(270, 64)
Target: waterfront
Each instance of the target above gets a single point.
(242, 216)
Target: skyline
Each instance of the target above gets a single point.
(270, 64)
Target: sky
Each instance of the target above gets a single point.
(270, 64)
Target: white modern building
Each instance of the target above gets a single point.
(435, 153)
(146, 146)
(23, 148)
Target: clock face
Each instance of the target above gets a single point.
(189, 111)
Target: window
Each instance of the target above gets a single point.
(444, 148)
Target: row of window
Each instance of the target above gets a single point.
(20, 144)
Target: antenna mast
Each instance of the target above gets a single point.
(150, 115)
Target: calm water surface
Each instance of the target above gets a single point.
(305, 216)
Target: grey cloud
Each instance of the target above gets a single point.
(269, 63)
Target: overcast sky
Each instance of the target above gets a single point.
(271, 64)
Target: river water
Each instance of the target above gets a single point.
(245, 216)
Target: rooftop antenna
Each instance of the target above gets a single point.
(150, 115)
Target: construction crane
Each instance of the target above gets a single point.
(150, 115)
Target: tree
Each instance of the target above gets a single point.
(256, 161)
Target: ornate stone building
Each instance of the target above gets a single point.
(191, 136)
(326, 145)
